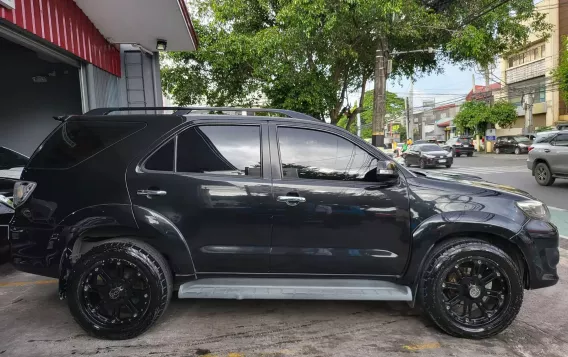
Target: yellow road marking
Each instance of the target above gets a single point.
(24, 283)
(422, 346)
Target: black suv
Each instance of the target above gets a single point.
(460, 145)
(126, 209)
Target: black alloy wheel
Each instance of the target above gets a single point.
(542, 175)
(471, 288)
(118, 289)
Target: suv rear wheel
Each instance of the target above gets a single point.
(118, 289)
(542, 174)
(471, 288)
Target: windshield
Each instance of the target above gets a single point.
(521, 139)
(428, 148)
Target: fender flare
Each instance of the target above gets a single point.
(146, 225)
(457, 224)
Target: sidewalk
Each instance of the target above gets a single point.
(559, 218)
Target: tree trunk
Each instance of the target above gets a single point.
(360, 109)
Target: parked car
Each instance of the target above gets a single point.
(548, 158)
(426, 155)
(459, 145)
(562, 126)
(517, 144)
(127, 209)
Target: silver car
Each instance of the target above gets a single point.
(548, 157)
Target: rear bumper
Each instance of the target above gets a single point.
(462, 150)
(540, 242)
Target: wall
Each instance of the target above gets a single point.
(140, 85)
(517, 128)
(28, 107)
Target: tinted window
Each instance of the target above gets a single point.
(544, 138)
(310, 154)
(521, 139)
(163, 159)
(427, 148)
(226, 150)
(464, 140)
(561, 140)
(9, 159)
(75, 141)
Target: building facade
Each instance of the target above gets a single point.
(528, 72)
(64, 57)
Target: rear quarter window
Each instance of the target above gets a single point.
(75, 141)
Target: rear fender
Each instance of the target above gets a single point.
(448, 225)
(88, 226)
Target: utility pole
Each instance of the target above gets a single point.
(359, 124)
(407, 118)
(528, 105)
(379, 105)
(411, 110)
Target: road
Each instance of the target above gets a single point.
(512, 170)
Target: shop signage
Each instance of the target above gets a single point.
(10, 4)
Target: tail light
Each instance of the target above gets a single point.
(530, 148)
(22, 191)
(458, 144)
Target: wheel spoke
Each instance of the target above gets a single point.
(104, 274)
(452, 286)
(476, 268)
(132, 307)
(493, 293)
(467, 309)
(489, 278)
(458, 271)
(120, 270)
(454, 301)
(481, 308)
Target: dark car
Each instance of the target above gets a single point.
(426, 155)
(6, 214)
(127, 209)
(517, 144)
(460, 145)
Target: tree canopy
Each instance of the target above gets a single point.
(560, 73)
(308, 55)
(395, 109)
(475, 116)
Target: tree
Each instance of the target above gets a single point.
(308, 55)
(395, 109)
(476, 116)
(560, 73)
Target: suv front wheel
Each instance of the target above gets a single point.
(118, 289)
(471, 288)
(542, 174)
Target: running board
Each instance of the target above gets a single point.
(294, 289)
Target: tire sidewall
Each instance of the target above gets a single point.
(549, 174)
(158, 295)
(435, 306)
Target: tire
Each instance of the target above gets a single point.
(497, 151)
(458, 155)
(422, 164)
(506, 290)
(448, 165)
(469, 154)
(143, 290)
(542, 174)
(406, 163)
(517, 151)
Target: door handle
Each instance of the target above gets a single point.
(291, 200)
(546, 150)
(150, 193)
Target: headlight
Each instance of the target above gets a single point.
(534, 209)
(429, 156)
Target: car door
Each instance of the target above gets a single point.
(330, 214)
(558, 156)
(216, 192)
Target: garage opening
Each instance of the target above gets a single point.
(34, 87)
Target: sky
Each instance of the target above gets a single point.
(452, 85)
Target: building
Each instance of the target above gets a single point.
(61, 57)
(528, 72)
(444, 116)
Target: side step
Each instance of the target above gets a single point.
(294, 289)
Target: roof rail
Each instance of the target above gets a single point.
(188, 110)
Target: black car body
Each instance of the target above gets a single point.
(517, 144)
(125, 209)
(460, 145)
(427, 155)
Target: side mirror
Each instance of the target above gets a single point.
(386, 171)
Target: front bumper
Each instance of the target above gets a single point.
(539, 242)
(436, 161)
(530, 165)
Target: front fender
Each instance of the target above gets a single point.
(454, 224)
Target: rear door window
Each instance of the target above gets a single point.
(561, 140)
(75, 141)
(221, 150)
(162, 159)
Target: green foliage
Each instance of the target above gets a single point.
(474, 116)
(560, 73)
(307, 55)
(395, 108)
(544, 128)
